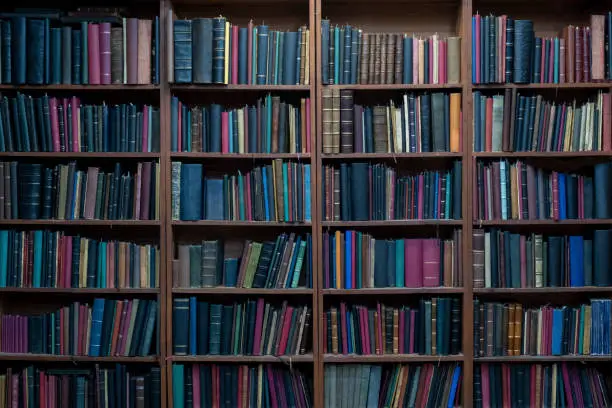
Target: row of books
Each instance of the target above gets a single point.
(272, 125)
(34, 191)
(414, 385)
(432, 328)
(362, 191)
(540, 385)
(44, 124)
(506, 50)
(418, 123)
(107, 327)
(515, 190)
(356, 260)
(351, 56)
(215, 51)
(277, 192)
(515, 122)
(501, 259)
(53, 259)
(513, 329)
(44, 51)
(285, 262)
(119, 387)
(241, 386)
(254, 327)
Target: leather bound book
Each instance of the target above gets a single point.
(562, 56)
(380, 129)
(346, 121)
(202, 37)
(509, 63)
(132, 53)
(569, 34)
(76, 57)
(116, 55)
(478, 257)
(453, 60)
(183, 52)
(105, 53)
(303, 52)
(372, 58)
(399, 58)
(332, 56)
(523, 42)
(390, 54)
(377, 51)
(347, 53)
(328, 144)
(36, 51)
(335, 121)
(586, 55)
(144, 51)
(364, 59)
(93, 45)
(578, 55)
(598, 52)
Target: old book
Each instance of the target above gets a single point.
(453, 60)
(390, 54)
(598, 52)
(455, 122)
(346, 120)
(335, 121)
(144, 51)
(116, 55)
(132, 53)
(364, 59)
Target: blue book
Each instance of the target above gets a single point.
(576, 250)
(562, 197)
(7, 64)
(307, 209)
(348, 237)
(337, 67)
(157, 52)
(399, 263)
(262, 55)
(36, 51)
(557, 331)
(182, 51)
(20, 39)
(407, 44)
(202, 35)
(97, 316)
(84, 54)
(193, 325)
(243, 34)
(230, 272)
(214, 203)
(356, 40)
(4, 246)
(346, 64)
(38, 252)
(324, 51)
(374, 386)
(191, 192)
(454, 386)
(215, 128)
(474, 62)
(56, 56)
(290, 50)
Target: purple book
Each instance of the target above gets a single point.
(105, 53)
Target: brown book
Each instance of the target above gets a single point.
(562, 53)
(569, 34)
(334, 328)
(509, 338)
(598, 53)
(364, 59)
(453, 60)
(346, 121)
(380, 129)
(399, 58)
(335, 120)
(372, 58)
(578, 55)
(144, 51)
(489, 329)
(117, 55)
(395, 331)
(303, 55)
(307, 57)
(378, 69)
(455, 122)
(478, 257)
(448, 263)
(328, 144)
(196, 133)
(390, 56)
(518, 323)
(275, 122)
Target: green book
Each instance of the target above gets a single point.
(178, 385)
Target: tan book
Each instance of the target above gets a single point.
(586, 347)
(144, 51)
(455, 122)
(334, 333)
(453, 60)
(598, 53)
(395, 331)
(510, 339)
(518, 326)
(364, 58)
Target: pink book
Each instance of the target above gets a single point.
(478, 48)
(271, 382)
(105, 53)
(234, 50)
(66, 141)
(68, 265)
(308, 150)
(415, 60)
(76, 140)
(196, 381)
(420, 197)
(607, 133)
(542, 61)
(567, 385)
(258, 327)
(413, 266)
(486, 399)
(412, 323)
(145, 128)
(250, 53)
(402, 329)
(249, 213)
(431, 263)
(224, 132)
(282, 347)
(93, 42)
(43, 389)
(417, 125)
(523, 262)
(379, 333)
(555, 190)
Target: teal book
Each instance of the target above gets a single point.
(38, 251)
(178, 386)
(399, 263)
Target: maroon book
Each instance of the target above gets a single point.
(132, 51)
(105, 53)
(93, 59)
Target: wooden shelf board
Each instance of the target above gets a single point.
(543, 155)
(393, 87)
(501, 223)
(81, 155)
(87, 223)
(305, 358)
(230, 88)
(541, 291)
(236, 156)
(390, 291)
(241, 291)
(388, 358)
(80, 291)
(228, 223)
(389, 223)
(396, 156)
(65, 87)
(77, 359)
(541, 359)
(575, 86)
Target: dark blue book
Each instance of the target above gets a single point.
(76, 57)
(523, 43)
(215, 128)
(262, 54)
(203, 44)
(457, 181)
(191, 192)
(193, 325)
(214, 199)
(19, 46)
(509, 74)
(174, 114)
(30, 175)
(218, 64)
(157, 52)
(537, 60)
(324, 51)
(602, 275)
(243, 37)
(180, 330)
(290, 46)
(7, 63)
(355, 55)
(56, 56)
(602, 189)
(84, 54)
(359, 191)
(230, 272)
(576, 250)
(36, 51)
(182, 51)
(66, 55)
(346, 64)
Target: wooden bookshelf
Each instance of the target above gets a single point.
(218, 359)
(51, 358)
(388, 358)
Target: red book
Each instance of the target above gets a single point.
(234, 79)
(196, 385)
(607, 133)
(271, 382)
(215, 386)
(224, 132)
(250, 53)
(66, 141)
(105, 53)
(431, 263)
(579, 61)
(568, 388)
(486, 399)
(555, 191)
(413, 266)
(93, 61)
(145, 128)
(74, 106)
(258, 327)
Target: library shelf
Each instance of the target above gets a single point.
(542, 155)
(52, 358)
(239, 88)
(239, 156)
(242, 291)
(81, 291)
(81, 88)
(81, 155)
(541, 291)
(390, 223)
(388, 358)
(240, 224)
(243, 359)
(84, 223)
(542, 359)
(561, 223)
(570, 86)
(392, 156)
(391, 291)
(395, 87)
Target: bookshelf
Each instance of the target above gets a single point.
(425, 17)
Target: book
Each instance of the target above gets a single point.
(276, 192)
(514, 329)
(71, 40)
(356, 260)
(272, 125)
(560, 384)
(82, 386)
(352, 56)
(107, 327)
(65, 192)
(54, 259)
(368, 385)
(240, 385)
(216, 51)
(359, 191)
(50, 124)
(431, 328)
(415, 124)
(540, 125)
(285, 262)
(252, 327)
